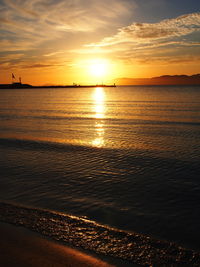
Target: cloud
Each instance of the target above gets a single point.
(61, 15)
(53, 53)
(28, 25)
(33, 33)
(148, 32)
(14, 56)
(170, 41)
(18, 62)
(39, 66)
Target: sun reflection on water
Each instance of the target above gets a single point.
(99, 109)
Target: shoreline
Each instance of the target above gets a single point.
(29, 86)
(22, 247)
(92, 238)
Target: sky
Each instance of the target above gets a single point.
(90, 41)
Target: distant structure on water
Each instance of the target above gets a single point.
(18, 85)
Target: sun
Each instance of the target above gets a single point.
(94, 70)
(98, 67)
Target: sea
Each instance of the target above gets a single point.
(94, 164)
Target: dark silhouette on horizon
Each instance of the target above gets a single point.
(162, 80)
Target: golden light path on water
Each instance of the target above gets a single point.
(99, 110)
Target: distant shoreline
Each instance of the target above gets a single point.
(165, 80)
(28, 86)
(161, 80)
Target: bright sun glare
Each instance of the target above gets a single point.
(98, 67)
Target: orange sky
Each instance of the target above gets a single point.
(89, 42)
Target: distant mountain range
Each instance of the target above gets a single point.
(161, 80)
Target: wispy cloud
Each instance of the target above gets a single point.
(148, 32)
(168, 41)
(36, 66)
(61, 15)
(28, 25)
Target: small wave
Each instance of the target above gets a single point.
(81, 232)
(110, 118)
(41, 145)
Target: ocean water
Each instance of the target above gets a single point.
(125, 157)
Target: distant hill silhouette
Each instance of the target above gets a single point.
(161, 80)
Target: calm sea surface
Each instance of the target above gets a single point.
(126, 157)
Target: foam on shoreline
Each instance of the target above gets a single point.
(86, 234)
(20, 247)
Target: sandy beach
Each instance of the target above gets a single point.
(21, 247)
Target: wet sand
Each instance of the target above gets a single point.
(21, 247)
